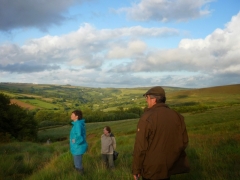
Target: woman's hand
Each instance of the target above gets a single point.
(136, 177)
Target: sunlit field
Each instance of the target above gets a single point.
(213, 151)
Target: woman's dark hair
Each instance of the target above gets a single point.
(78, 113)
(108, 129)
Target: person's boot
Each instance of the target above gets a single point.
(80, 171)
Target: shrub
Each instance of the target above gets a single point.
(16, 121)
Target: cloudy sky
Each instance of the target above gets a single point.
(127, 43)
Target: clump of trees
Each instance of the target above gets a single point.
(46, 118)
(16, 122)
(120, 114)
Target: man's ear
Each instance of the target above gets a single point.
(154, 99)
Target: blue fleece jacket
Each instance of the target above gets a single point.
(78, 143)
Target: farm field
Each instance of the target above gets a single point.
(39, 103)
(22, 104)
(110, 99)
(213, 151)
(33, 104)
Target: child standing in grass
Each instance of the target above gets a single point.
(78, 143)
(108, 145)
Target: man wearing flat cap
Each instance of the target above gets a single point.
(161, 140)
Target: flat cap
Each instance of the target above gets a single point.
(157, 91)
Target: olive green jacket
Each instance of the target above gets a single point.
(161, 139)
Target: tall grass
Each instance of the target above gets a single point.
(213, 151)
(19, 160)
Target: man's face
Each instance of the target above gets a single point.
(150, 101)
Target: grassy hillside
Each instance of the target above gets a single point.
(55, 97)
(213, 151)
(197, 100)
(67, 97)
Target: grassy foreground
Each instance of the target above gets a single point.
(214, 151)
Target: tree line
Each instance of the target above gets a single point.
(17, 123)
(51, 118)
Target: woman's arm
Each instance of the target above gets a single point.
(114, 143)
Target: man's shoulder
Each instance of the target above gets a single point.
(146, 114)
(160, 108)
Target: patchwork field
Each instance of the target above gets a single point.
(23, 104)
(108, 99)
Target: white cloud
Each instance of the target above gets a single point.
(218, 51)
(167, 10)
(81, 57)
(86, 47)
(126, 50)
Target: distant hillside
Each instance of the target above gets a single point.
(213, 91)
(55, 97)
(65, 97)
(229, 89)
(205, 98)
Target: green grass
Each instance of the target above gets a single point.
(55, 134)
(39, 103)
(19, 160)
(213, 151)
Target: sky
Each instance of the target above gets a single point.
(120, 44)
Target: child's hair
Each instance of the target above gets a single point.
(108, 129)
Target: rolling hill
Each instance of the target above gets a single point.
(56, 97)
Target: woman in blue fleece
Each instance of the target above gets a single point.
(78, 143)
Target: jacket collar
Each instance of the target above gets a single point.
(157, 105)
